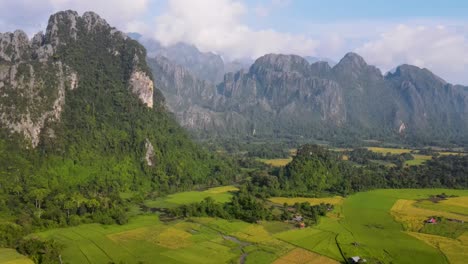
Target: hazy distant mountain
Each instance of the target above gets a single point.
(284, 95)
(205, 65)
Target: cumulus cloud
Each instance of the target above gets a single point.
(441, 49)
(216, 25)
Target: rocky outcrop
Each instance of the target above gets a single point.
(149, 153)
(142, 86)
(14, 46)
(41, 100)
(34, 81)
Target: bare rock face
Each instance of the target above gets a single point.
(142, 86)
(41, 99)
(14, 46)
(149, 155)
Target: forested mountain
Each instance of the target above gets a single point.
(81, 121)
(285, 96)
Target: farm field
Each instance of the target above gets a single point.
(219, 194)
(389, 150)
(362, 224)
(456, 205)
(367, 228)
(10, 256)
(419, 159)
(456, 250)
(302, 256)
(198, 240)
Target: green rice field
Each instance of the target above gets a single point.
(363, 224)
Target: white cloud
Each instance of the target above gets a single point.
(439, 48)
(216, 25)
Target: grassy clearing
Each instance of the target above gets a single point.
(219, 194)
(10, 256)
(312, 201)
(276, 162)
(418, 160)
(389, 150)
(301, 256)
(447, 153)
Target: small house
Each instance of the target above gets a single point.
(431, 220)
(301, 225)
(298, 218)
(357, 259)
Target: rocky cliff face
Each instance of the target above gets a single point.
(35, 81)
(195, 103)
(285, 95)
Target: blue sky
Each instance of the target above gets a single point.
(431, 34)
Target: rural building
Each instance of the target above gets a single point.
(431, 220)
(298, 218)
(357, 259)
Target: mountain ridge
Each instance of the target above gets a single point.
(351, 98)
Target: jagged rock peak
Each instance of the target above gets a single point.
(13, 46)
(352, 66)
(414, 73)
(63, 25)
(93, 20)
(352, 59)
(282, 63)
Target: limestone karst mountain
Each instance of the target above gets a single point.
(284, 95)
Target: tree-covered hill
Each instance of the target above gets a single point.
(81, 122)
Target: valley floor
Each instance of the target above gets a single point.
(380, 226)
